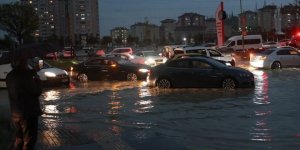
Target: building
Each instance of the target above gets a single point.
(290, 16)
(210, 33)
(265, 18)
(189, 26)
(249, 21)
(120, 35)
(145, 32)
(167, 30)
(75, 21)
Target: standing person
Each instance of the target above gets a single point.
(24, 89)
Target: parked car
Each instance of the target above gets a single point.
(276, 58)
(52, 55)
(110, 68)
(206, 51)
(151, 58)
(127, 50)
(49, 75)
(68, 52)
(121, 55)
(198, 72)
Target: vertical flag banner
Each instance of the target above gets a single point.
(220, 24)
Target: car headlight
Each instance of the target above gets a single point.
(228, 64)
(144, 70)
(150, 61)
(263, 58)
(50, 74)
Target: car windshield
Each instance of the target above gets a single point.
(227, 42)
(35, 62)
(216, 63)
(147, 54)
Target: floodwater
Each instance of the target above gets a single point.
(126, 115)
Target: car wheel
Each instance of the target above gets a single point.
(228, 83)
(163, 83)
(82, 77)
(131, 77)
(276, 65)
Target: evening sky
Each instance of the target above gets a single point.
(124, 13)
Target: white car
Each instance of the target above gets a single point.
(206, 51)
(151, 58)
(276, 58)
(121, 55)
(126, 50)
(49, 75)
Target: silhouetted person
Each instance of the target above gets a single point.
(24, 89)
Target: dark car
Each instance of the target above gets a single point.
(102, 68)
(197, 72)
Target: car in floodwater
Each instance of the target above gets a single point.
(276, 58)
(199, 72)
(197, 55)
(151, 58)
(109, 68)
(49, 75)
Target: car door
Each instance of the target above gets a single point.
(180, 73)
(284, 57)
(96, 69)
(295, 61)
(204, 74)
(114, 70)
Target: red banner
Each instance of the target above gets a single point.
(220, 24)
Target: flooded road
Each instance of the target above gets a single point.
(126, 115)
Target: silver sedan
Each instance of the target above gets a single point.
(276, 58)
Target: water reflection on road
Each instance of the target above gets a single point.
(134, 116)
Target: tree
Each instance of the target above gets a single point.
(18, 21)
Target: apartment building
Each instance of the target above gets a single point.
(119, 35)
(76, 21)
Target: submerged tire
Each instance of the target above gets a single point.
(131, 77)
(276, 65)
(82, 77)
(228, 83)
(163, 84)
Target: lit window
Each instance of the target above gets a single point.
(52, 27)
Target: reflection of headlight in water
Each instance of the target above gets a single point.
(50, 74)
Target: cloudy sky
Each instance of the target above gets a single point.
(115, 13)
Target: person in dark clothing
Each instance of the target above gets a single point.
(24, 89)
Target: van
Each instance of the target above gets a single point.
(48, 74)
(250, 42)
